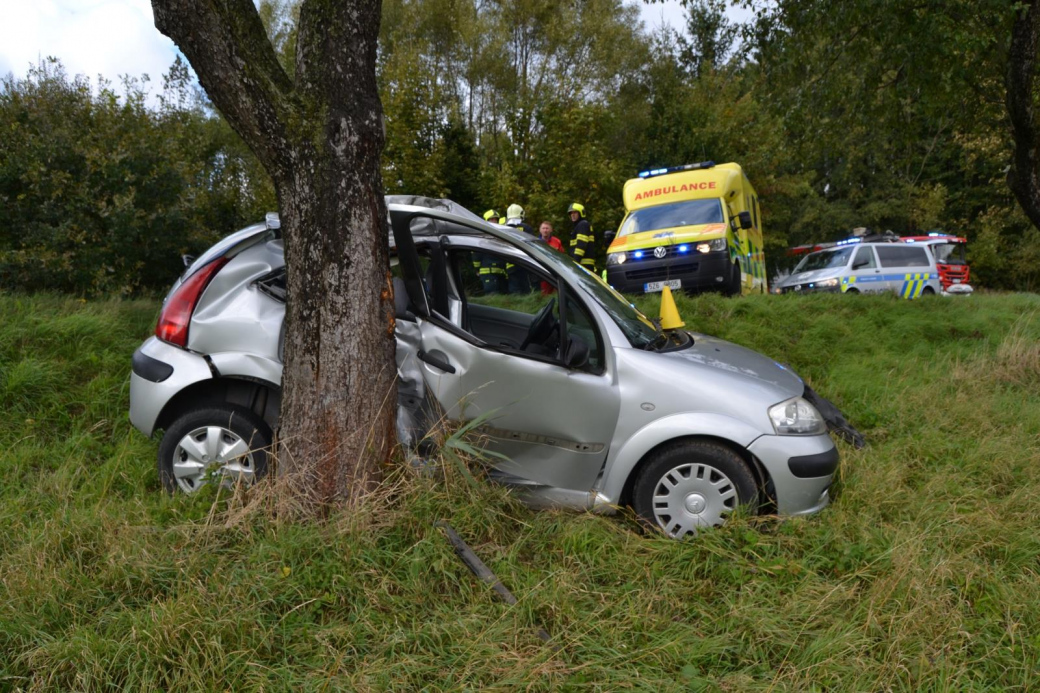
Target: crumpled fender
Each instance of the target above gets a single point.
(251, 366)
(624, 458)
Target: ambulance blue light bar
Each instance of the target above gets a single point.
(674, 169)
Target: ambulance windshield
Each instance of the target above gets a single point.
(686, 213)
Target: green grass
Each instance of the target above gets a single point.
(922, 575)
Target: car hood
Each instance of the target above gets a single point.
(721, 358)
(813, 276)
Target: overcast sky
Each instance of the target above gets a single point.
(117, 37)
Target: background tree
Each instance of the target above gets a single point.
(319, 134)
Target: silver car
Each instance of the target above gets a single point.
(589, 404)
(908, 270)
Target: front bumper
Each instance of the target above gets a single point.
(810, 288)
(697, 271)
(160, 372)
(788, 459)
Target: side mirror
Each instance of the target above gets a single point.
(608, 237)
(577, 354)
(745, 220)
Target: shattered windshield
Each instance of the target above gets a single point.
(950, 253)
(687, 213)
(638, 329)
(824, 259)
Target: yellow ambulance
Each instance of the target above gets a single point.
(695, 227)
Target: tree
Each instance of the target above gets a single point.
(1024, 175)
(319, 134)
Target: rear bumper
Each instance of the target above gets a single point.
(787, 459)
(159, 372)
(696, 271)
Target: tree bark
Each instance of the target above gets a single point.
(1024, 175)
(319, 135)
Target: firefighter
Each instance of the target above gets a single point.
(519, 282)
(490, 268)
(582, 246)
(515, 218)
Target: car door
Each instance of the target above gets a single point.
(864, 274)
(550, 423)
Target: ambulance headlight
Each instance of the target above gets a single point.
(796, 417)
(616, 258)
(713, 244)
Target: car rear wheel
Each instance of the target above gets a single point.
(220, 443)
(928, 291)
(693, 484)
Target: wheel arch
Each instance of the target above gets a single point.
(261, 397)
(762, 479)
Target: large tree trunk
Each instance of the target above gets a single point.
(320, 136)
(1024, 175)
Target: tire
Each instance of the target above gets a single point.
(733, 287)
(928, 291)
(852, 291)
(688, 485)
(219, 440)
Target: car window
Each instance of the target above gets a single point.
(902, 256)
(864, 259)
(504, 299)
(824, 259)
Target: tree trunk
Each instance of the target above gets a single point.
(1024, 175)
(320, 136)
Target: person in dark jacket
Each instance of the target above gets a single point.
(582, 246)
(519, 282)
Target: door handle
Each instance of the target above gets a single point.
(435, 361)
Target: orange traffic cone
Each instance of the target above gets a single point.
(670, 319)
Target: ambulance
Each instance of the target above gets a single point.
(694, 228)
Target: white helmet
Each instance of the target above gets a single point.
(515, 214)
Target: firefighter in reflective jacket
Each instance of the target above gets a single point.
(519, 282)
(582, 249)
(491, 268)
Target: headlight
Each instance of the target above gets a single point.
(616, 258)
(827, 282)
(713, 244)
(796, 417)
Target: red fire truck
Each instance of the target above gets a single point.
(950, 257)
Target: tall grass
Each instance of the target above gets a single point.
(922, 575)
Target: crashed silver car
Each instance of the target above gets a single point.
(588, 403)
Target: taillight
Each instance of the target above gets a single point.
(176, 314)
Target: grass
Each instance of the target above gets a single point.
(922, 575)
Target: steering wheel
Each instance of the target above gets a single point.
(541, 326)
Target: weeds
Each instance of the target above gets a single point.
(922, 575)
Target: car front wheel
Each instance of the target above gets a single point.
(220, 443)
(693, 484)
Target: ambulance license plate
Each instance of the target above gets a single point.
(650, 287)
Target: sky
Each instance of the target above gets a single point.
(117, 37)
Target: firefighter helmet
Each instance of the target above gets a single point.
(575, 207)
(515, 213)
(491, 215)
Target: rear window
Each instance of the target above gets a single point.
(902, 256)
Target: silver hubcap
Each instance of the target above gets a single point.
(691, 496)
(212, 451)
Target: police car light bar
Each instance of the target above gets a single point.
(673, 169)
(850, 241)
